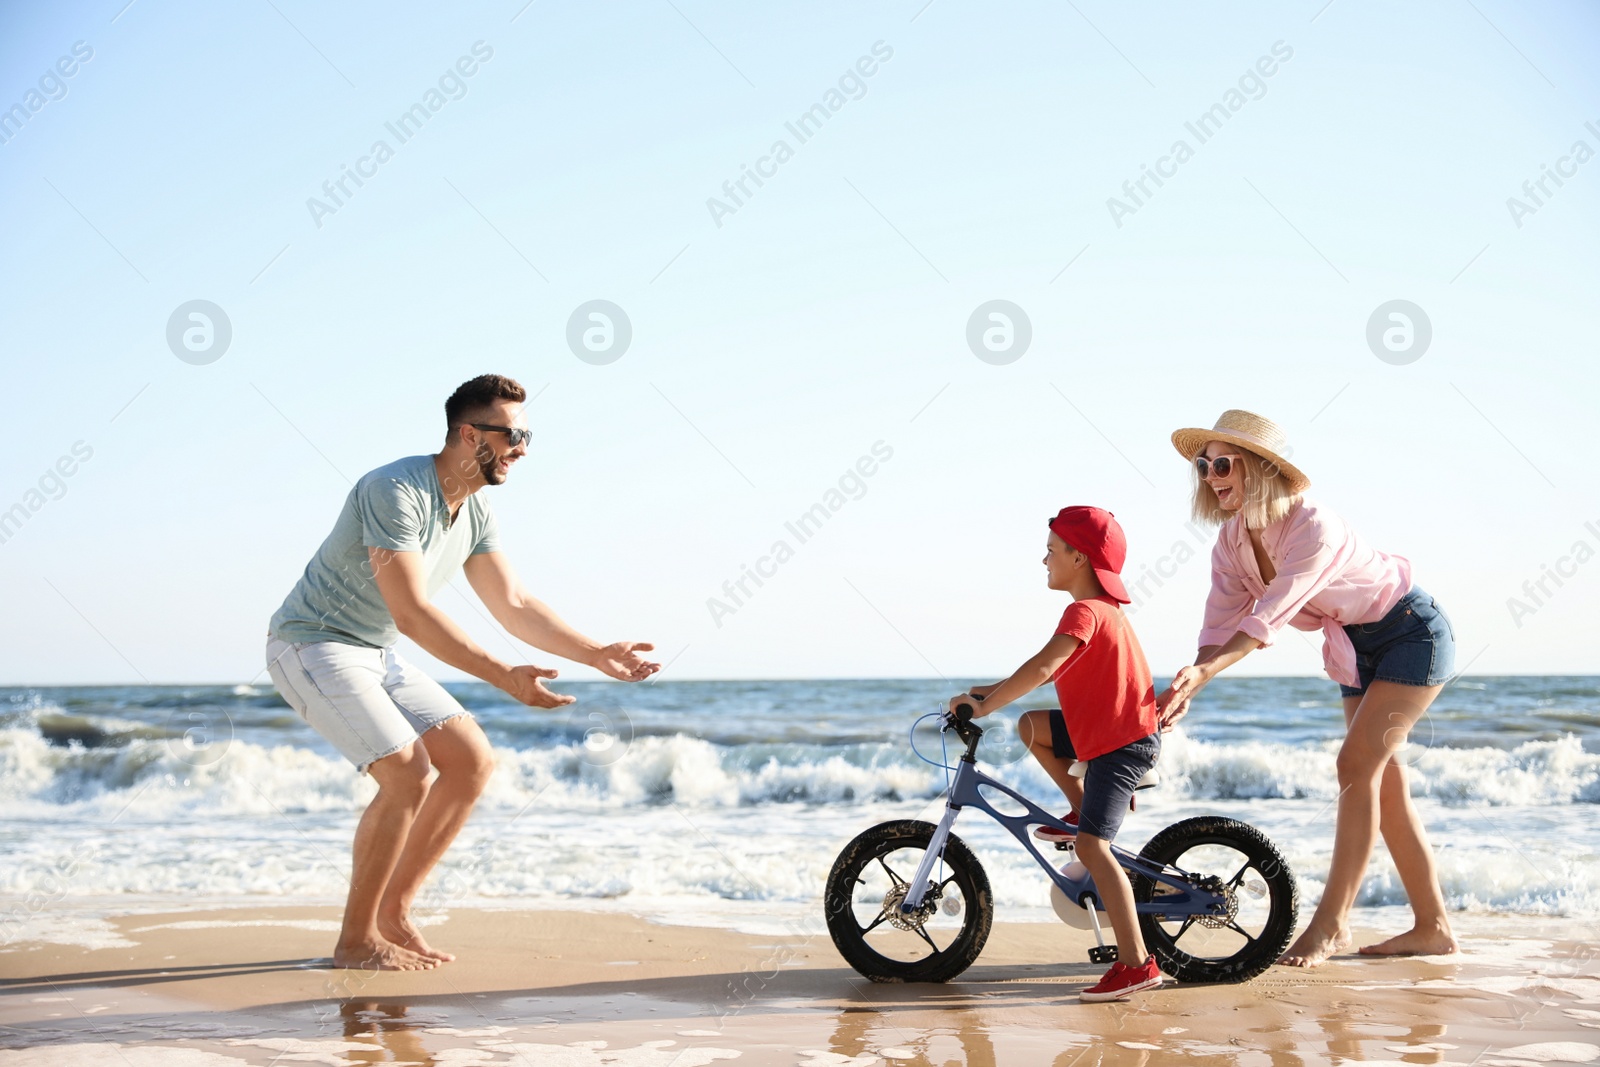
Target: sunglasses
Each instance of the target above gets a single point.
(1222, 465)
(517, 437)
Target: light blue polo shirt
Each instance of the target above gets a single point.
(401, 507)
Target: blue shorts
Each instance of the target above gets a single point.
(1108, 786)
(1412, 645)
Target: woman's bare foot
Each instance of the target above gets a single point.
(381, 955)
(402, 932)
(1417, 941)
(1313, 946)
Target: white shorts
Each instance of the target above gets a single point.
(368, 702)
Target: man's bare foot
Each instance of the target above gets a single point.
(1313, 946)
(1417, 941)
(405, 934)
(381, 956)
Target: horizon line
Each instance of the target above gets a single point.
(754, 678)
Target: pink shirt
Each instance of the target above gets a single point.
(1327, 579)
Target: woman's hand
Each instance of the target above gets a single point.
(981, 691)
(1173, 703)
(1169, 710)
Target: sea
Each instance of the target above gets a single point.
(724, 803)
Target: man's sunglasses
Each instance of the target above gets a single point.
(1223, 465)
(517, 437)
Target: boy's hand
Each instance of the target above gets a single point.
(983, 690)
(966, 698)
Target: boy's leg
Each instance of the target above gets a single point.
(1107, 788)
(1035, 729)
(1111, 882)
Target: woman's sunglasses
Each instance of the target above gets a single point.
(517, 437)
(1222, 465)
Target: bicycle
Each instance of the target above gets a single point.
(1209, 917)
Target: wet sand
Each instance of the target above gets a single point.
(251, 986)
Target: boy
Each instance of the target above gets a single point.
(1107, 719)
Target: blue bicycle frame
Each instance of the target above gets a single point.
(966, 791)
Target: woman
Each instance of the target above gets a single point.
(1283, 560)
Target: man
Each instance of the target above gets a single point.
(404, 531)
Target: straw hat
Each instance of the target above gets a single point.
(1247, 430)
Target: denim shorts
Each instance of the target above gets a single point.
(1108, 786)
(1412, 645)
(368, 702)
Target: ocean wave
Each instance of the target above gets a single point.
(1535, 772)
(160, 776)
(1531, 880)
(688, 823)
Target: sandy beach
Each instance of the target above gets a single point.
(207, 988)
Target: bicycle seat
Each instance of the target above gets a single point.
(1151, 778)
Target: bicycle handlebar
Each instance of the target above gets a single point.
(961, 723)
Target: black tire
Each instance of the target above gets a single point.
(1261, 924)
(869, 932)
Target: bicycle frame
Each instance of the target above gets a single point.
(966, 791)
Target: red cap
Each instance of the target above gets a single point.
(1095, 533)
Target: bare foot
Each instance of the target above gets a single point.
(1430, 941)
(1313, 946)
(402, 932)
(381, 956)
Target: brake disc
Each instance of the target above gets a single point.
(901, 920)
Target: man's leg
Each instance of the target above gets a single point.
(380, 837)
(338, 690)
(461, 754)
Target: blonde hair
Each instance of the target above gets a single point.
(1267, 493)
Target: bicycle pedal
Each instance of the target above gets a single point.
(1103, 954)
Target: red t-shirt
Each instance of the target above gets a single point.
(1107, 695)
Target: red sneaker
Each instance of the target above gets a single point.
(1122, 981)
(1051, 834)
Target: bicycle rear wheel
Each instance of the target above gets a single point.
(869, 880)
(1237, 861)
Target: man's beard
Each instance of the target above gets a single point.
(488, 466)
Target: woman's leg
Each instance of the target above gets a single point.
(1381, 722)
(1408, 846)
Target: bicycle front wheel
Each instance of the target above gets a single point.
(869, 880)
(1237, 862)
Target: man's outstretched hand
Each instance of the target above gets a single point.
(623, 662)
(526, 684)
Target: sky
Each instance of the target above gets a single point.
(174, 474)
